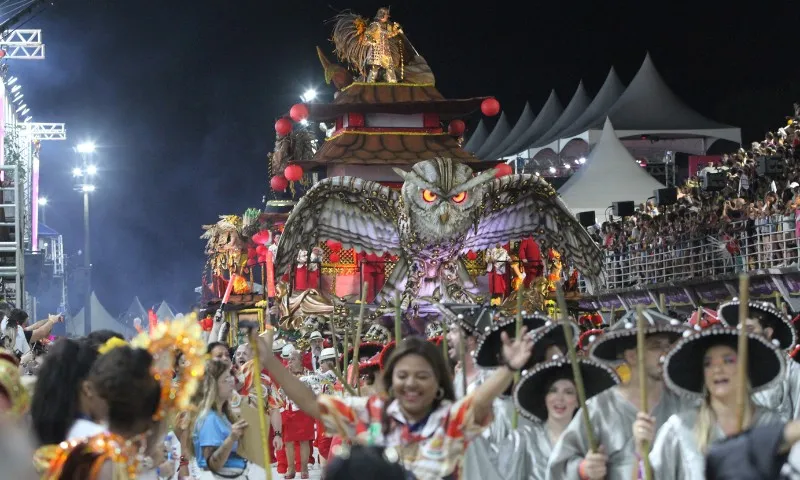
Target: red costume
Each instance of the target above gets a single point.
(373, 271)
(531, 257)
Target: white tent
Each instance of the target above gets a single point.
(164, 312)
(101, 320)
(610, 175)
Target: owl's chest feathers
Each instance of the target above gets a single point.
(419, 245)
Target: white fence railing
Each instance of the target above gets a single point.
(769, 242)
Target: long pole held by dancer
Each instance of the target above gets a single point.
(517, 334)
(398, 319)
(356, 358)
(576, 370)
(262, 419)
(643, 407)
(741, 354)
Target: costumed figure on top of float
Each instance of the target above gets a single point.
(379, 49)
(441, 212)
(497, 260)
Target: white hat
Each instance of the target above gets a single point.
(277, 346)
(287, 350)
(315, 336)
(327, 354)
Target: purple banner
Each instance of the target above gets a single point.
(607, 303)
(713, 293)
(675, 296)
(793, 283)
(638, 298)
(762, 288)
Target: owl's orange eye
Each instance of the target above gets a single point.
(428, 196)
(459, 197)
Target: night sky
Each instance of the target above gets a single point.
(181, 97)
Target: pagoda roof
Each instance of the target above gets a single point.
(398, 98)
(371, 148)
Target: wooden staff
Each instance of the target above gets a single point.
(517, 335)
(398, 315)
(444, 345)
(744, 312)
(335, 349)
(576, 369)
(662, 303)
(643, 407)
(262, 419)
(344, 383)
(778, 300)
(346, 347)
(356, 358)
(462, 360)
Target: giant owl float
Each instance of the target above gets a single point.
(443, 210)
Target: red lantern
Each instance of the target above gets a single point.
(293, 173)
(333, 245)
(490, 107)
(456, 128)
(283, 127)
(278, 183)
(298, 112)
(502, 170)
(334, 257)
(472, 256)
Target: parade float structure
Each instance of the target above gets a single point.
(392, 184)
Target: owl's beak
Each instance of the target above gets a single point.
(444, 217)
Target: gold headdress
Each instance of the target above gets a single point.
(180, 339)
(125, 455)
(11, 383)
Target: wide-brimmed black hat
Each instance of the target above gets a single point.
(622, 335)
(489, 352)
(552, 333)
(770, 316)
(366, 349)
(475, 319)
(683, 365)
(532, 389)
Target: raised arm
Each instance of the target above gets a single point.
(297, 391)
(516, 354)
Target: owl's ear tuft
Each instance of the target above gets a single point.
(400, 172)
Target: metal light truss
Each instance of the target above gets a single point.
(24, 44)
(46, 131)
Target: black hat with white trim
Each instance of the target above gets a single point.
(552, 334)
(622, 335)
(767, 314)
(683, 365)
(474, 319)
(489, 352)
(530, 392)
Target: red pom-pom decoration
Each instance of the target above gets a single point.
(293, 173)
(298, 112)
(333, 245)
(472, 256)
(490, 107)
(278, 183)
(456, 128)
(502, 170)
(334, 257)
(283, 127)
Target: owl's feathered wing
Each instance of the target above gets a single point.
(520, 206)
(358, 213)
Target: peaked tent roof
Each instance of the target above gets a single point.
(45, 231)
(101, 320)
(609, 175)
(478, 137)
(576, 106)
(499, 133)
(524, 121)
(164, 312)
(136, 310)
(649, 104)
(606, 97)
(547, 116)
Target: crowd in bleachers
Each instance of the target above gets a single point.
(747, 221)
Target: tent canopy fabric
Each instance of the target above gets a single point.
(478, 137)
(549, 114)
(164, 312)
(499, 133)
(45, 231)
(606, 97)
(576, 106)
(648, 104)
(101, 320)
(525, 119)
(610, 175)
